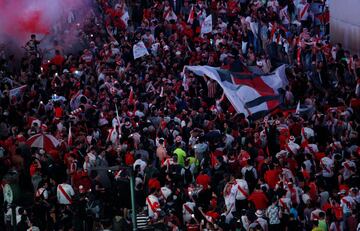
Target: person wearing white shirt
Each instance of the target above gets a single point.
(347, 203)
(327, 165)
(349, 168)
(152, 201)
(292, 147)
(188, 211)
(261, 221)
(241, 190)
(229, 197)
(141, 163)
(303, 13)
(309, 163)
(65, 193)
(315, 214)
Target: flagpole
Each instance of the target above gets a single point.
(132, 195)
(118, 119)
(297, 111)
(69, 141)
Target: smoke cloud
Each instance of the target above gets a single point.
(20, 18)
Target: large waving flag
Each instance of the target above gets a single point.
(251, 94)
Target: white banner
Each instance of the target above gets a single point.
(206, 26)
(139, 50)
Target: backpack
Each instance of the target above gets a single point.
(175, 171)
(93, 208)
(250, 177)
(188, 177)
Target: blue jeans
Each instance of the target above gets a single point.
(257, 45)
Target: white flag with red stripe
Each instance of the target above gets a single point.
(191, 17)
(250, 94)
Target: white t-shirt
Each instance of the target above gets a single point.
(142, 165)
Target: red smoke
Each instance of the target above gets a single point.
(33, 23)
(20, 18)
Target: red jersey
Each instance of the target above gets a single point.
(259, 199)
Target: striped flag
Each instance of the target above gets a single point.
(191, 17)
(251, 94)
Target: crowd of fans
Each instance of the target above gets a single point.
(196, 163)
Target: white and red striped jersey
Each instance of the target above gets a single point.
(153, 205)
(188, 210)
(241, 188)
(285, 204)
(327, 165)
(303, 11)
(64, 194)
(113, 135)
